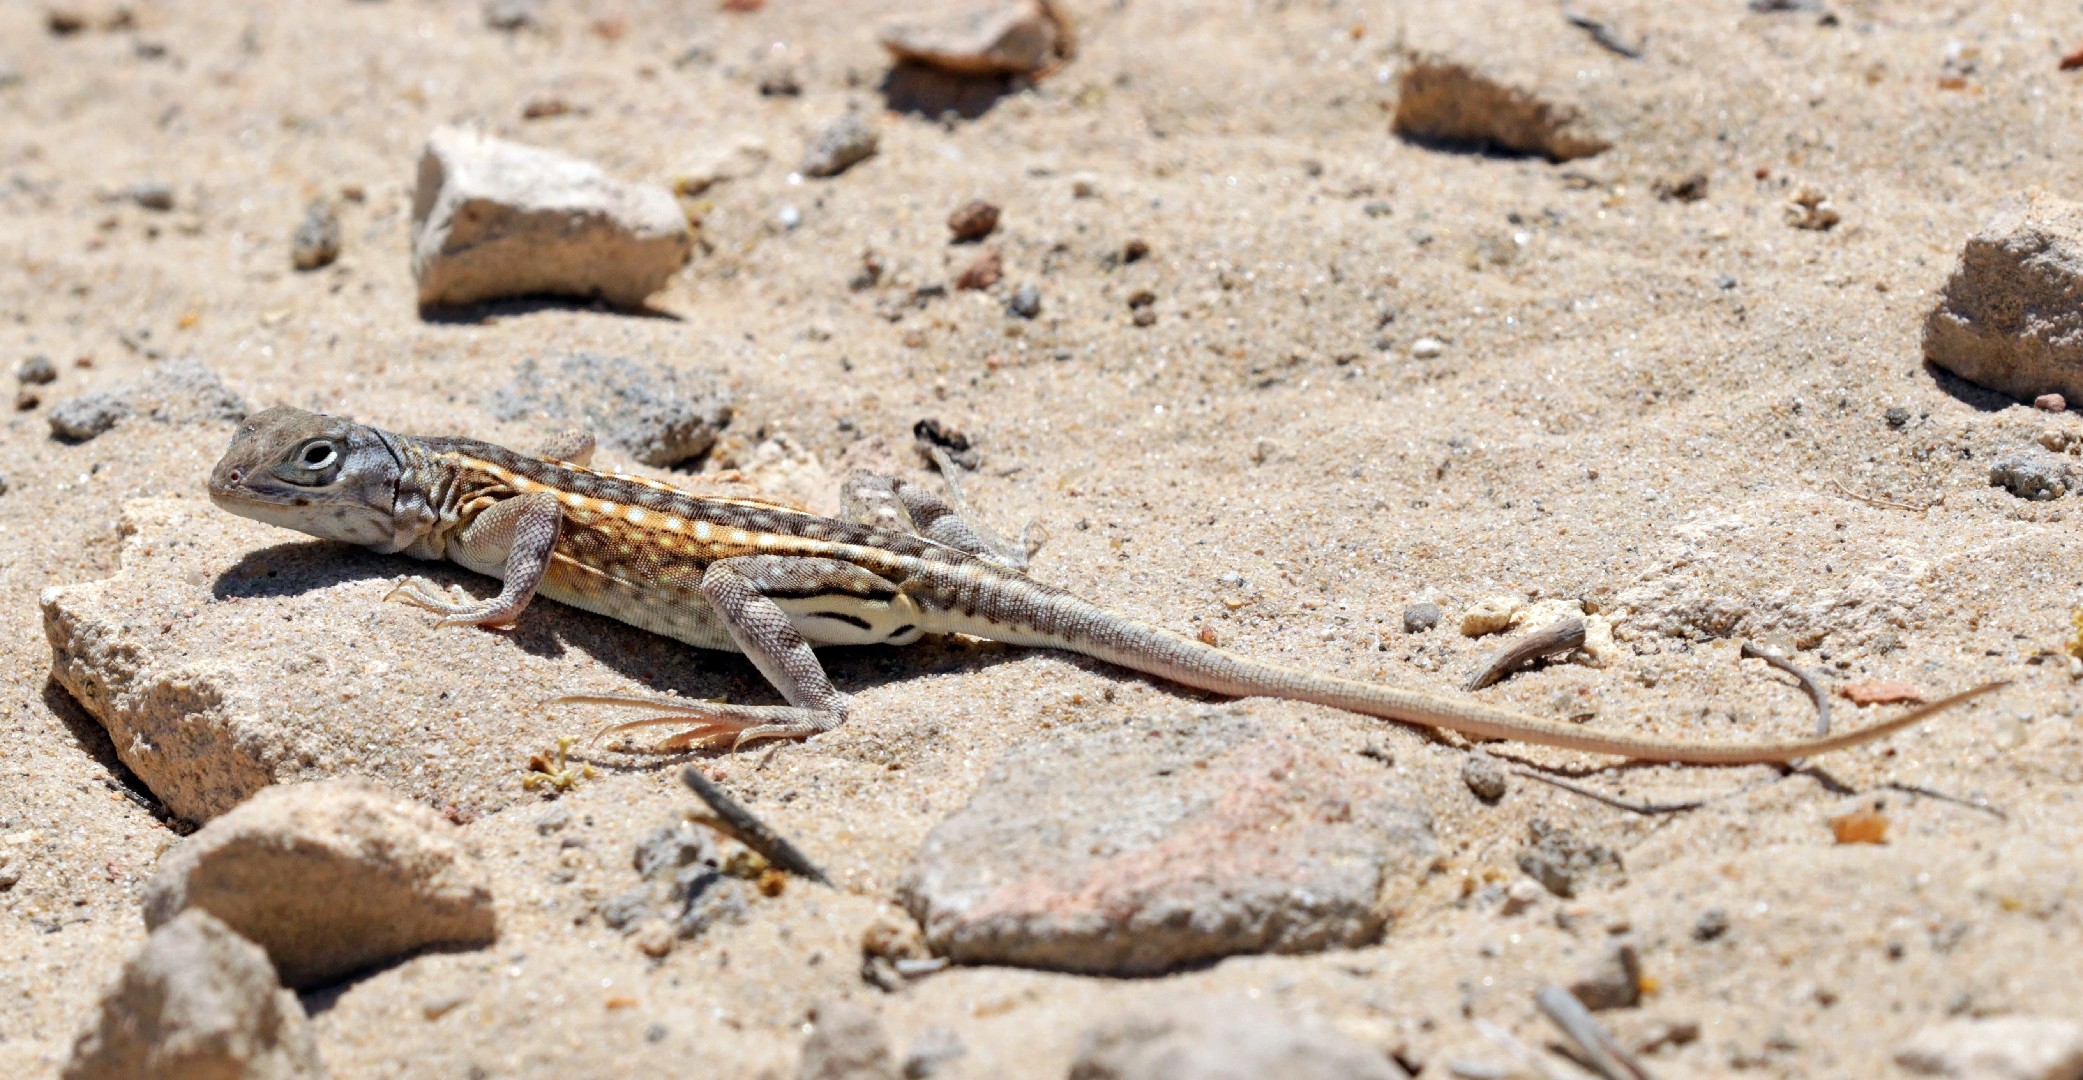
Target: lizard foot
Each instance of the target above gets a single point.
(709, 724)
(455, 606)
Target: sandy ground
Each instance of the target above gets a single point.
(1655, 405)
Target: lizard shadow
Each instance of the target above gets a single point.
(297, 567)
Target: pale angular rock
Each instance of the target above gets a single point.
(2000, 1048)
(493, 219)
(1499, 75)
(846, 1043)
(840, 145)
(1223, 1039)
(330, 878)
(1165, 842)
(198, 1002)
(1461, 99)
(2011, 316)
(991, 37)
(657, 414)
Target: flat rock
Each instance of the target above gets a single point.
(1222, 1039)
(993, 37)
(1491, 75)
(329, 877)
(1998, 1048)
(2011, 315)
(225, 655)
(178, 391)
(198, 1002)
(1164, 842)
(492, 219)
(657, 414)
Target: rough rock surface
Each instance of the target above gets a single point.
(1454, 99)
(658, 414)
(198, 1002)
(1999, 1048)
(2011, 315)
(1210, 1038)
(991, 37)
(841, 144)
(174, 392)
(493, 218)
(330, 878)
(1163, 842)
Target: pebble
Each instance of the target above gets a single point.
(1491, 615)
(845, 142)
(493, 219)
(151, 194)
(329, 877)
(36, 369)
(198, 1001)
(1421, 618)
(846, 1042)
(1997, 1048)
(1427, 348)
(1613, 980)
(1485, 776)
(174, 392)
(1026, 301)
(513, 14)
(553, 820)
(670, 847)
(1469, 100)
(2037, 478)
(2050, 403)
(1137, 848)
(935, 1047)
(1565, 864)
(986, 270)
(84, 417)
(2007, 318)
(1212, 1038)
(1897, 417)
(657, 414)
(1811, 209)
(973, 221)
(317, 240)
(1711, 925)
(990, 37)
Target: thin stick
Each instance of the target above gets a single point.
(1601, 1052)
(1603, 34)
(751, 831)
(1808, 683)
(1883, 503)
(1558, 637)
(1644, 809)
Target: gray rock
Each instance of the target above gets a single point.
(2011, 315)
(84, 417)
(711, 897)
(198, 1002)
(846, 1043)
(1026, 301)
(1611, 981)
(1998, 1048)
(1223, 1039)
(1485, 776)
(175, 392)
(513, 14)
(329, 878)
(623, 910)
(492, 219)
(1165, 842)
(1711, 925)
(36, 370)
(670, 847)
(1420, 618)
(985, 37)
(151, 194)
(842, 144)
(317, 240)
(1463, 98)
(1565, 864)
(2037, 477)
(656, 414)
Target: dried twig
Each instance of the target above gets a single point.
(1882, 503)
(1603, 34)
(1816, 693)
(1557, 637)
(751, 831)
(1930, 793)
(1643, 808)
(1601, 1052)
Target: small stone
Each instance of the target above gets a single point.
(1681, 187)
(779, 80)
(9, 876)
(655, 938)
(493, 219)
(1897, 417)
(1136, 849)
(1811, 209)
(1491, 615)
(933, 1048)
(1520, 895)
(1997, 1048)
(1880, 693)
(1612, 981)
(552, 820)
(660, 415)
(198, 1002)
(2036, 478)
(712, 897)
(1210, 1038)
(986, 270)
(64, 22)
(36, 369)
(1860, 827)
(87, 416)
(1144, 316)
(1026, 301)
(513, 14)
(26, 398)
(317, 241)
(2008, 318)
(1420, 618)
(1463, 100)
(737, 161)
(329, 877)
(151, 194)
(2050, 403)
(174, 392)
(670, 847)
(1565, 864)
(623, 910)
(987, 37)
(1427, 348)
(1711, 925)
(1135, 251)
(1485, 776)
(846, 1043)
(845, 142)
(973, 221)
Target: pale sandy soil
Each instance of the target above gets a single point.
(1607, 421)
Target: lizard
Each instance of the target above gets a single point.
(773, 582)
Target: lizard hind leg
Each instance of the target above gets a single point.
(897, 504)
(707, 724)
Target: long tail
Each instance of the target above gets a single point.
(1067, 622)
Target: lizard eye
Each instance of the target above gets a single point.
(318, 454)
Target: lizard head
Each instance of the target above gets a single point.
(314, 473)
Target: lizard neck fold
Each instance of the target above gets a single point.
(423, 486)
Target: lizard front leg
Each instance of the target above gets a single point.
(525, 528)
(762, 632)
